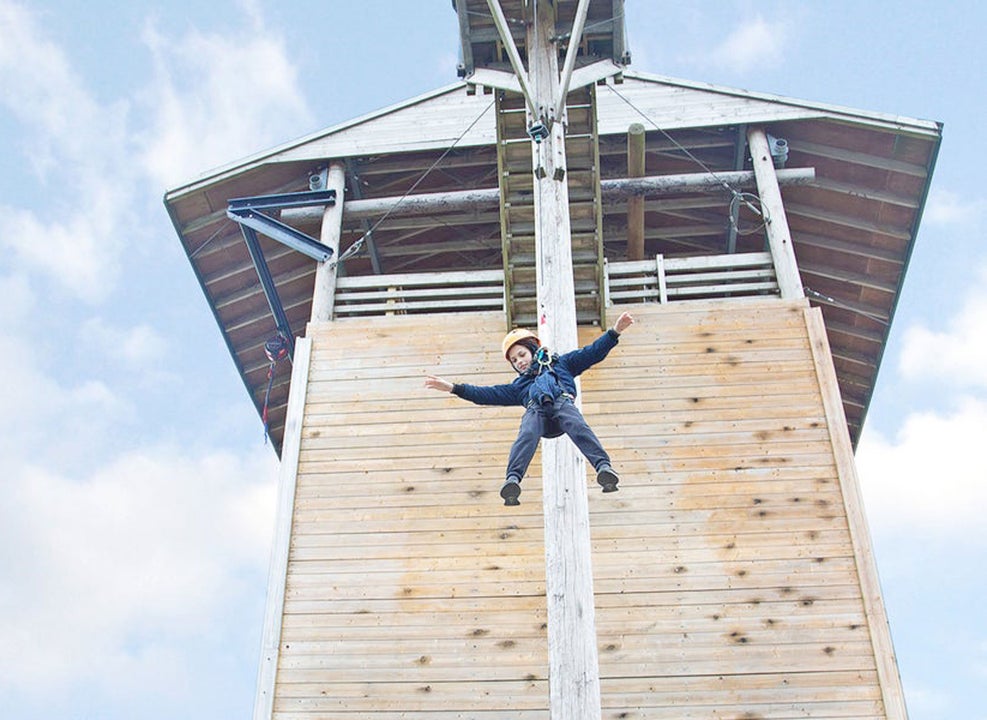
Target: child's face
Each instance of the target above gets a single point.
(520, 357)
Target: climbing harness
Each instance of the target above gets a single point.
(276, 349)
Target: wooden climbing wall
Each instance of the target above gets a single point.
(732, 572)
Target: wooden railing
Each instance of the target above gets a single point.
(691, 278)
(420, 293)
(659, 280)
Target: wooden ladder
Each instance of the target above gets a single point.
(517, 214)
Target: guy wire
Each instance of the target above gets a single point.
(355, 247)
(739, 196)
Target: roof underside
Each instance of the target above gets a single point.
(853, 227)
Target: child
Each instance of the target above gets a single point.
(546, 387)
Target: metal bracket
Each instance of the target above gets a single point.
(247, 211)
(538, 131)
(270, 289)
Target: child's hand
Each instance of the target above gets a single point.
(623, 322)
(436, 383)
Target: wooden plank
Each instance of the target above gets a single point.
(399, 305)
(278, 570)
(436, 279)
(388, 293)
(730, 290)
(725, 578)
(892, 692)
(706, 262)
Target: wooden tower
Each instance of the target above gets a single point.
(761, 244)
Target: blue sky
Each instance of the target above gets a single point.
(136, 492)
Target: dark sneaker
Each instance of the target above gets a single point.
(510, 491)
(607, 478)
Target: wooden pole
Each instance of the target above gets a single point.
(611, 189)
(776, 222)
(574, 675)
(281, 542)
(324, 293)
(635, 203)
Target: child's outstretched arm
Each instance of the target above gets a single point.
(623, 322)
(509, 394)
(578, 361)
(436, 383)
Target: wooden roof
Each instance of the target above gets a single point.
(853, 227)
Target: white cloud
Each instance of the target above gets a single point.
(928, 701)
(78, 151)
(945, 207)
(79, 252)
(213, 99)
(18, 299)
(139, 346)
(119, 568)
(218, 98)
(957, 354)
(930, 478)
(57, 420)
(39, 86)
(755, 42)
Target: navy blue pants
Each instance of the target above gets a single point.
(551, 420)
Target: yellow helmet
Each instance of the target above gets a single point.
(514, 337)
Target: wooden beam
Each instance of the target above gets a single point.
(848, 221)
(462, 11)
(574, 672)
(846, 277)
(332, 223)
(773, 209)
(855, 157)
(619, 30)
(612, 190)
(635, 203)
(835, 246)
(278, 571)
(877, 619)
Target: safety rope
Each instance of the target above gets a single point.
(276, 349)
(358, 245)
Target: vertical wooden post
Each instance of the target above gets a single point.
(281, 543)
(324, 293)
(779, 236)
(635, 203)
(574, 676)
(889, 678)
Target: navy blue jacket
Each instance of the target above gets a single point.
(537, 380)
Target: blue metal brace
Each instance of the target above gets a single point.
(246, 212)
(270, 290)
